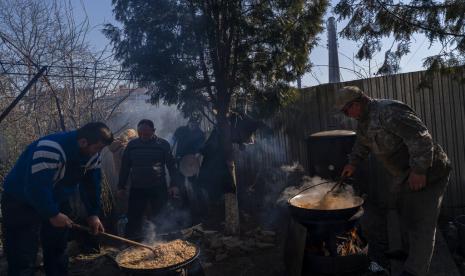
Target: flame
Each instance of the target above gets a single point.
(351, 244)
(347, 244)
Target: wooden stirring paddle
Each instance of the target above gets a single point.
(84, 228)
(337, 185)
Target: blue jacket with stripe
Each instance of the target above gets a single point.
(50, 170)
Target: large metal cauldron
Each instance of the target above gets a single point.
(328, 152)
(306, 216)
(169, 270)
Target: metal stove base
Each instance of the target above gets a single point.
(340, 265)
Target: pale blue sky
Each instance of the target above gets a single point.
(100, 12)
(419, 49)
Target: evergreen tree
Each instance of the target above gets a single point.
(205, 55)
(440, 21)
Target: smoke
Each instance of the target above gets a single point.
(171, 218)
(266, 151)
(259, 171)
(344, 122)
(149, 232)
(292, 168)
(305, 183)
(275, 186)
(315, 193)
(166, 118)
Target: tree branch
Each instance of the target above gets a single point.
(415, 24)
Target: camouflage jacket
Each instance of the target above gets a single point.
(397, 137)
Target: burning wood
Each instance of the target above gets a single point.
(348, 244)
(351, 244)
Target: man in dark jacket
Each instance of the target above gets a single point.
(187, 142)
(400, 140)
(188, 139)
(35, 200)
(144, 160)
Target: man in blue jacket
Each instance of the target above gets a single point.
(35, 196)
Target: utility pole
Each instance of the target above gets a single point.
(23, 92)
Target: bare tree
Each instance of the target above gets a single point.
(78, 83)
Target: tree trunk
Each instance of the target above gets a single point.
(231, 208)
(232, 225)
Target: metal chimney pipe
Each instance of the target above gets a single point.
(334, 75)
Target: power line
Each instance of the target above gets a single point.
(87, 68)
(68, 76)
(66, 67)
(2, 62)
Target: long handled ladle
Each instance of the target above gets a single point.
(83, 228)
(337, 185)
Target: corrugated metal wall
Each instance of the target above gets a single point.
(442, 108)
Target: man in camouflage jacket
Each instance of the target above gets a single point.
(400, 140)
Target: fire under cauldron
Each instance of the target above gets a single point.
(319, 238)
(327, 236)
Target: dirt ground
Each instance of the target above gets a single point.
(248, 261)
(257, 262)
(268, 260)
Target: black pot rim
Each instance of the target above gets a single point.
(325, 210)
(156, 270)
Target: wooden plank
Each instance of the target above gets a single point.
(421, 97)
(314, 112)
(409, 87)
(459, 149)
(459, 104)
(398, 87)
(374, 90)
(427, 107)
(438, 113)
(325, 110)
(417, 99)
(389, 88)
(432, 117)
(406, 89)
(379, 83)
(392, 87)
(451, 149)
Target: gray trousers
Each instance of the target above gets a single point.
(418, 214)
